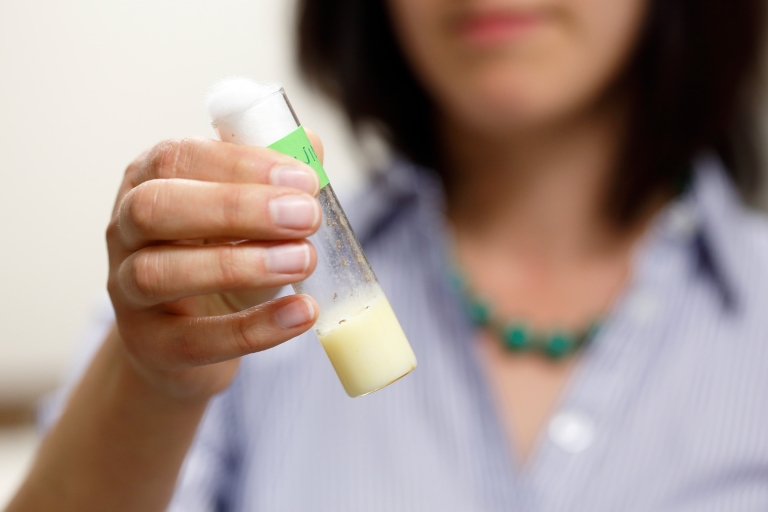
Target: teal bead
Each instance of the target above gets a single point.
(516, 337)
(479, 312)
(559, 345)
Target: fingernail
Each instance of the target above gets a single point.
(295, 177)
(288, 258)
(294, 211)
(294, 314)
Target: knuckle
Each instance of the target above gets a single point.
(132, 173)
(231, 270)
(256, 163)
(165, 157)
(191, 346)
(232, 202)
(146, 273)
(246, 335)
(189, 351)
(135, 169)
(142, 207)
(174, 158)
(252, 163)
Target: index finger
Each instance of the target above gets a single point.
(210, 160)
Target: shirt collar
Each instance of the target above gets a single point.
(723, 233)
(392, 194)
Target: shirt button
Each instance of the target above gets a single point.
(643, 306)
(572, 431)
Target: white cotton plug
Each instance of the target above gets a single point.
(247, 112)
(235, 94)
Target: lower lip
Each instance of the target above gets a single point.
(492, 30)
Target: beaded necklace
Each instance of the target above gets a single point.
(515, 335)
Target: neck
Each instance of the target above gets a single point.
(541, 192)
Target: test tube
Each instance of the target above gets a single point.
(357, 327)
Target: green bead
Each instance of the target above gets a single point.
(516, 337)
(479, 312)
(559, 345)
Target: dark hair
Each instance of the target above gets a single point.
(691, 81)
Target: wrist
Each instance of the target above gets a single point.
(118, 445)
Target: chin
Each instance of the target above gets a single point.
(510, 105)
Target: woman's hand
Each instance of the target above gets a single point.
(182, 288)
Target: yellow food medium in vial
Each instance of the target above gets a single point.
(369, 350)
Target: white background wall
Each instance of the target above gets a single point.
(85, 86)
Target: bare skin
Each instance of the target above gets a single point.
(184, 301)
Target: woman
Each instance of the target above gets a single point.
(566, 160)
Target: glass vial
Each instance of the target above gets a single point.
(357, 327)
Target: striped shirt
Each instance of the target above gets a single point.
(667, 409)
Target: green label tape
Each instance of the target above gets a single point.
(297, 145)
